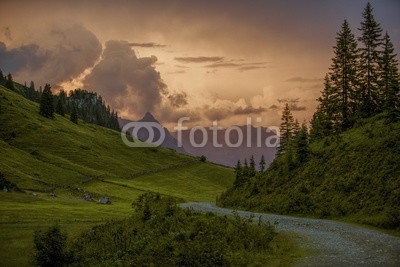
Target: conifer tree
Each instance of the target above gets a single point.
(323, 119)
(60, 107)
(371, 40)
(74, 115)
(1, 76)
(10, 82)
(252, 167)
(301, 144)
(343, 76)
(46, 103)
(389, 83)
(238, 174)
(286, 129)
(245, 170)
(261, 165)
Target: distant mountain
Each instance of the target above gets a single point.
(143, 134)
(228, 155)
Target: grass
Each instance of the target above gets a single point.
(43, 156)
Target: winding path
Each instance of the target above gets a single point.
(330, 243)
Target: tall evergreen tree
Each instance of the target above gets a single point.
(1, 76)
(46, 103)
(343, 76)
(371, 40)
(262, 163)
(389, 83)
(9, 82)
(74, 115)
(60, 107)
(252, 167)
(286, 129)
(302, 144)
(238, 174)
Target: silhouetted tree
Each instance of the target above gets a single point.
(343, 77)
(74, 115)
(371, 40)
(46, 103)
(389, 83)
(286, 129)
(238, 174)
(302, 144)
(60, 107)
(262, 163)
(252, 167)
(9, 82)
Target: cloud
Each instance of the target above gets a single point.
(302, 80)
(296, 107)
(245, 68)
(182, 66)
(199, 59)
(176, 72)
(147, 45)
(216, 113)
(131, 84)
(178, 99)
(249, 110)
(61, 54)
(274, 107)
(242, 66)
(7, 33)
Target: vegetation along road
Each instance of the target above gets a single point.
(330, 243)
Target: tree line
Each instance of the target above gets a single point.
(363, 79)
(79, 104)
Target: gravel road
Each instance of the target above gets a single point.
(330, 243)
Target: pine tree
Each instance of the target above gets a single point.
(245, 170)
(343, 76)
(371, 40)
(302, 144)
(74, 115)
(286, 129)
(238, 174)
(261, 165)
(46, 103)
(1, 77)
(389, 82)
(60, 107)
(252, 167)
(323, 119)
(9, 82)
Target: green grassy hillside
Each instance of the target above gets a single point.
(355, 175)
(43, 157)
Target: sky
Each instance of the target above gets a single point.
(208, 60)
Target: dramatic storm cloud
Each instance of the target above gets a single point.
(61, 54)
(129, 83)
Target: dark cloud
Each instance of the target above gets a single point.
(198, 59)
(302, 80)
(223, 65)
(241, 65)
(216, 113)
(131, 84)
(169, 114)
(176, 72)
(62, 54)
(296, 107)
(7, 33)
(147, 45)
(288, 100)
(248, 110)
(274, 107)
(245, 68)
(178, 99)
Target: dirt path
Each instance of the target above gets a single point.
(331, 243)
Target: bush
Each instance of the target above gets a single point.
(50, 248)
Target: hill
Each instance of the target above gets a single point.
(354, 175)
(49, 165)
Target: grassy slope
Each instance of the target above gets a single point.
(356, 176)
(41, 155)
